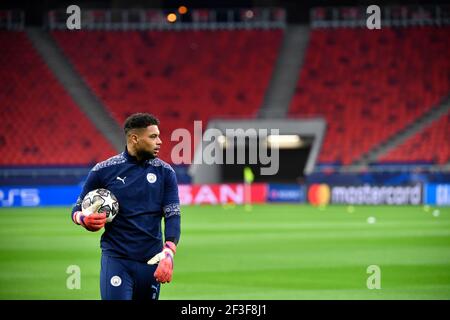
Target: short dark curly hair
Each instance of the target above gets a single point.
(139, 121)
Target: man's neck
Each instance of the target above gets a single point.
(133, 153)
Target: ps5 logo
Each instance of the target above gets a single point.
(19, 197)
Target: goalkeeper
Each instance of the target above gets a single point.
(135, 258)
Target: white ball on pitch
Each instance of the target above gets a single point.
(371, 220)
(436, 213)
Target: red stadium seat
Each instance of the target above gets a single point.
(180, 76)
(429, 145)
(41, 125)
(370, 84)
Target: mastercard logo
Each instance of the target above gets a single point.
(319, 194)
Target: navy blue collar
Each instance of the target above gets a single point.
(133, 159)
(129, 157)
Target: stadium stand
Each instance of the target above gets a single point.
(180, 76)
(370, 84)
(429, 146)
(367, 84)
(38, 117)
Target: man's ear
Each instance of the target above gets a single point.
(133, 137)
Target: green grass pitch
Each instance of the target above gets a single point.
(226, 252)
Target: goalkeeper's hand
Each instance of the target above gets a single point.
(164, 259)
(90, 218)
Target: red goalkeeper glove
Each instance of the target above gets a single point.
(164, 259)
(90, 218)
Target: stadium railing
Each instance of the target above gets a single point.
(158, 19)
(13, 20)
(391, 16)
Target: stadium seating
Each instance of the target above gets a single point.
(41, 125)
(431, 145)
(369, 84)
(180, 76)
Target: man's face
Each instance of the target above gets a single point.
(148, 142)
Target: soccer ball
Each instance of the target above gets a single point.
(110, 205)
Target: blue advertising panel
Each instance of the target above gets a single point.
(437, 194)
(286, 193)
(38, 196)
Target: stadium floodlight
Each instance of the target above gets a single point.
(284, 141)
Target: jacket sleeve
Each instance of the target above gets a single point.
(171, 208)
(92, 182)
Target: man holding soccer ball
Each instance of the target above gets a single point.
(135, 259)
